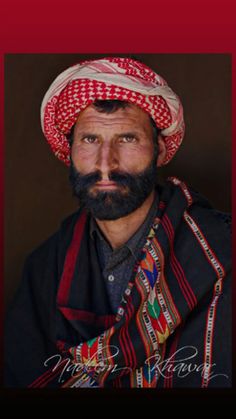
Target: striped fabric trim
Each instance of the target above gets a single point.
(220, 274)
(209, 333)
(205, 245)
(183, 187)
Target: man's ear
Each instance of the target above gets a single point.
(161, 151)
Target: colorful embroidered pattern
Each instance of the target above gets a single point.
(155, 320)
(126, 349)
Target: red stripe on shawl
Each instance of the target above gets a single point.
(129, 347)
(125, 344)
(88, 316)
(123, 347)
(46, 377)
(188, 289)
(124, 353)
(168, 381)
(70, 261)
(179, 273)
(117, 383)
(162, 205)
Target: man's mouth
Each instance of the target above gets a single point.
(106, 185)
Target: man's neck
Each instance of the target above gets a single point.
(118, 232)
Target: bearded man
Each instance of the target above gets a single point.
(134, 288)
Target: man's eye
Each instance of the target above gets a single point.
(89, 140)
(128, 139)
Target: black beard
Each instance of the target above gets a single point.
(111, 205)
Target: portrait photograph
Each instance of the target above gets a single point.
(117, 206)
(122, 249)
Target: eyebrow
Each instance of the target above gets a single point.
(129, 134)
(84, 134)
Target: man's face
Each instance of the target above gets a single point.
(112, 170)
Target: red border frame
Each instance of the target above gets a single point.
(126, 26)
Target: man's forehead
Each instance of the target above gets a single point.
(131, 114)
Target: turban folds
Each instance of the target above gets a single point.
(111, 78)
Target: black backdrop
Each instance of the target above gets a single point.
(37, 192)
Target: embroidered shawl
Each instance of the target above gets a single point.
(172, 328)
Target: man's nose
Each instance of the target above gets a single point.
(107, 159)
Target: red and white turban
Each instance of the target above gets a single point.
(109, 78)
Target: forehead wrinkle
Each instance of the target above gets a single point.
(124, 126)
(108, 119)
(106, 123)
(127, 120)
(93, 131)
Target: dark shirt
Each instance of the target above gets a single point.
(117, 265)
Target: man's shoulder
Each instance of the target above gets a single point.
(211, 218)
(224, 217)
(56, 242)
(206, 213)
(212, 228)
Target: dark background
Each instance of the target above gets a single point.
(37, 192)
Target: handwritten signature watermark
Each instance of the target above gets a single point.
(180, 364)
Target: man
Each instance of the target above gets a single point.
(134, 289)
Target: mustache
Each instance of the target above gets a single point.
(121, 178)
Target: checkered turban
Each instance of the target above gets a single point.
(109, 78)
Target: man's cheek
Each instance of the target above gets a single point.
(83, 155)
